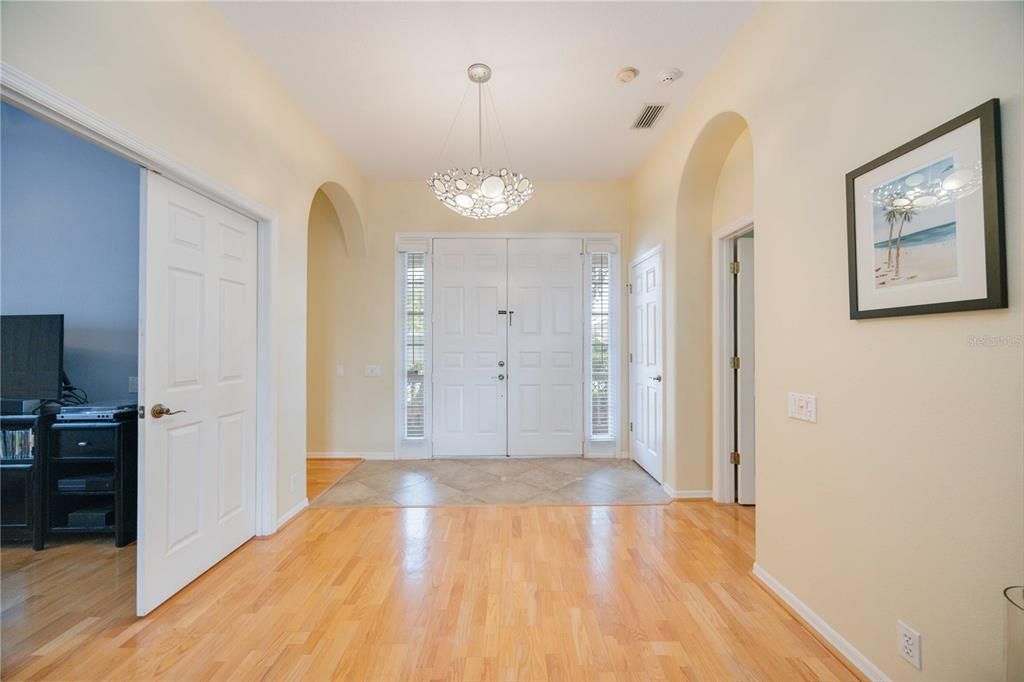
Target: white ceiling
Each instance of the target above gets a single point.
(385, 79)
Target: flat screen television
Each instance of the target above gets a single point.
(31, 357)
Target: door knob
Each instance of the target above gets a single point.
(161, 410)
(657, 378)
(501, 363)
(501, 377)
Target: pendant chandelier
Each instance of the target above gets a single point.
(479, 192)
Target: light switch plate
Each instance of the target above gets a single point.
(339, 370)
(803, 406)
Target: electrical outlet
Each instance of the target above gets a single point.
(909, 642)
(371, 371)
(339, 370)
(133, 384)
(803, 406)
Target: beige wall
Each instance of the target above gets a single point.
(734, 193)
(906, 499)
(176, 77)
(351, 298)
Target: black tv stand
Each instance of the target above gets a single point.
(40, 452)
(101, 449)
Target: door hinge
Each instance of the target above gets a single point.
(734, 267)
(631, 357)
(734, 457)
(631, 427)
(629, 288)
(735, 362)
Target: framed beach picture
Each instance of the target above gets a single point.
(925, 223)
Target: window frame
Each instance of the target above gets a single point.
(614, 323)
(407, 256)
(412, 447)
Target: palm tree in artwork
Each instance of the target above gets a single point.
(906, 215)
(892, 216)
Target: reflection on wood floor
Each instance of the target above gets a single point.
(466, 593)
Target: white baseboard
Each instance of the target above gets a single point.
(292, 512)
(827, 632)
(685, 494)
(360, 454)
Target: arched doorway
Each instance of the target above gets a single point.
(715, 191)
(335, 237)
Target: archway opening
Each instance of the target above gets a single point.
(335, 238)
(715, 190)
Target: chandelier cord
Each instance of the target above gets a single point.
(455, 120)
(480, 123)
(501, 132)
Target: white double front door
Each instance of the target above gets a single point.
(508, 347)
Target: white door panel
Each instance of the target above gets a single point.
(645, 367)
(197, 468)
(470, 285)
(545, 343)
(745, 373)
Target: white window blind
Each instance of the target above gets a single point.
(601, 412)
(413, 315)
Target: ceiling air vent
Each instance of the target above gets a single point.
(649, 116)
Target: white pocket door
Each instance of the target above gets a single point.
(197, 466)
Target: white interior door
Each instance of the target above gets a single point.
(745, 373)
(545, 360)
(645, 366)
(470, 340)
(197, 465)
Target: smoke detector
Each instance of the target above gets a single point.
(670, 76)
(627, 74)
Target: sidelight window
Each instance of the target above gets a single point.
(414, 343)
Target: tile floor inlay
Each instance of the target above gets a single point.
(424, 483)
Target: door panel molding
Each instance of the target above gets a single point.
(647, 363)
(545, 345)
(197, 492)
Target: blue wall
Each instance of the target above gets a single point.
(69, 243)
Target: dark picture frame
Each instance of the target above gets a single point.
(991, 193)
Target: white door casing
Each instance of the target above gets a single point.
(646, 366)
(545, 347)
(469, 338)
(198, 321)
(745, 373)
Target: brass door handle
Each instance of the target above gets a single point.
(161, 410)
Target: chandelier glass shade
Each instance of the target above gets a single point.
(480, 193)
(477, 192)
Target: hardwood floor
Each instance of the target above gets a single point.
(460, 593)
(322, 473)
